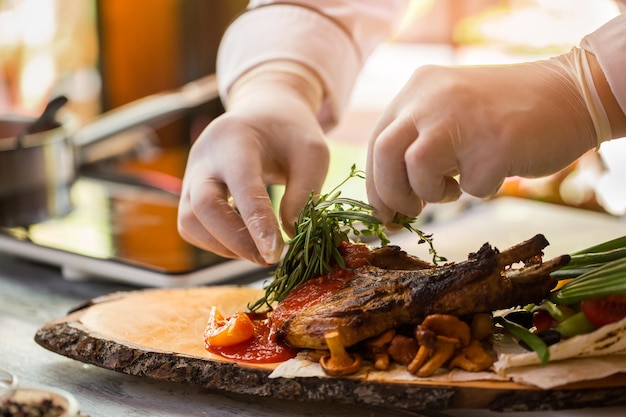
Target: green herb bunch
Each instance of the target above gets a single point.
(325, 221)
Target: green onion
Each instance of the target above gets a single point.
(565, 273)
(595, 258)
(532, 340)
(609, 245)
(592, 257)
(607, 279)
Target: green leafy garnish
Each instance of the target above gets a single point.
(325, 221)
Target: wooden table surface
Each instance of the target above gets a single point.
(32, 295)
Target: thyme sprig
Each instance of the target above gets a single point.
(325, 221)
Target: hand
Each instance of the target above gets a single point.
(481, 124)
(269, 135)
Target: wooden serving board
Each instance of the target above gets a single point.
(158, 334)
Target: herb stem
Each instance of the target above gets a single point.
(325, 221)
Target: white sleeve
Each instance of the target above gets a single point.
(333, 38)
(608, 44)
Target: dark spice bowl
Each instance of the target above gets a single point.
(40, 401)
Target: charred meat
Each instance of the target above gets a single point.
(387, 294)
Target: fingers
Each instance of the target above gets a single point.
(259, 224)
(218, 173)
(483, 174)
(209, 221)
(432, 163)
(194, 232)
(439, 156)
(407, 168)
(388, 186)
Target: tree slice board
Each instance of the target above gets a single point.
(158, 334)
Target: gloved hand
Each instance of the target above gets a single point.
(269, 135)
(482, 124)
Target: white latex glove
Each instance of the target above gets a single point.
(483, 124)
(269, 135)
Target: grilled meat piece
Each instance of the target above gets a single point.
(393, 257)
(378, 299)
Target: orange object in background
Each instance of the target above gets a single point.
(573, 186)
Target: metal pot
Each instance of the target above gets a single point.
(38, 169)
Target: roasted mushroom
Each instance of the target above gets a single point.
(472, 358)
(338, 362)
(402, 349)
(377, 349)
(439, 337)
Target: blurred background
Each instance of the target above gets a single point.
(102, 54)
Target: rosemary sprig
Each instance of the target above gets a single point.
(325, 221)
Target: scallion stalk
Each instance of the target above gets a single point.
(591, 258)
(609, 245)
(564, 273)
(608, 279)
(595, 258)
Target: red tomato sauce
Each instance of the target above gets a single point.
(263, 347)
(307, 294)
(313, 290)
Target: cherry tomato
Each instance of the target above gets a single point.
(221, 332)
(604, 310)
(542, 320)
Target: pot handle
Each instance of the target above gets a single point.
(151, 108)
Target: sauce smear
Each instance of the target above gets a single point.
(263, 347)
(311, 291)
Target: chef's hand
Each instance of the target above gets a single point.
(269, 135)
(481, 124)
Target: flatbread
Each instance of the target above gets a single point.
(584, 357)
(607, 340)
